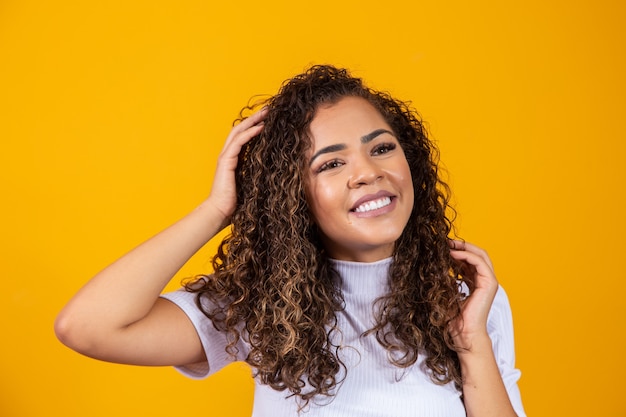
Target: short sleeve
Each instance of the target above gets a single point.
(500, 328)
(213, 341)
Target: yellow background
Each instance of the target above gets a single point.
(112, 115)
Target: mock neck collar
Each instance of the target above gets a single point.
(363, 278)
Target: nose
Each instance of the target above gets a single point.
(364, 172)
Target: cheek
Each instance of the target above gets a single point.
(323, 201)
(401, 171)
(408, 178)
(405, 178)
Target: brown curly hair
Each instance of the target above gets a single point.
(273, 284)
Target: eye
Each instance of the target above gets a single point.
(383, 148)
(335, 163)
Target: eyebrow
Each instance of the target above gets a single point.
(327, 149)
(341, 146)
(371, 136)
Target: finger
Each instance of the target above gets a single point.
(244, 137)
(456, 244)
(466, 246)
(250, 121)
(241, 134)
(483, 271)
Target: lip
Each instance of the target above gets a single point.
(371, 197)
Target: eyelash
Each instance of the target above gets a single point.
(329, 165)
(381, 149)
(384, 147)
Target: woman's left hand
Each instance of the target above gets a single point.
(472, 325)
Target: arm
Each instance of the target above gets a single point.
(483, 389)
(118, 315)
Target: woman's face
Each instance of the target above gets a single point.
(359, 186)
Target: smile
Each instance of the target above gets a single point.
(373, 205)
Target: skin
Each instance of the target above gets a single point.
(118, 315)
(356, 159)
(483, 389)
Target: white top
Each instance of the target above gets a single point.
(372, 385)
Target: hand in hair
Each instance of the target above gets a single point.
(475, 263)
(223, 194)
(483, 389)
(118, 315)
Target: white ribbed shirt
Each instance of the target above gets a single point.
(372, 385)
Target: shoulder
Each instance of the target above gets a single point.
(500, 315)
(500, 329)
(214, 342)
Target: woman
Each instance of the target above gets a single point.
(338, 283)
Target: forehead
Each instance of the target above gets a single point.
(349, 118)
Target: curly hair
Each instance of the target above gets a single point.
(273, 284)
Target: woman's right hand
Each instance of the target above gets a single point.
(223, 195)
(118, 315)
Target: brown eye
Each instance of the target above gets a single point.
(335, 163)
(383, 148)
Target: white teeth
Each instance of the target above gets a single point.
(373, 205)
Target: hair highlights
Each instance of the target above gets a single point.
(273, 284)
